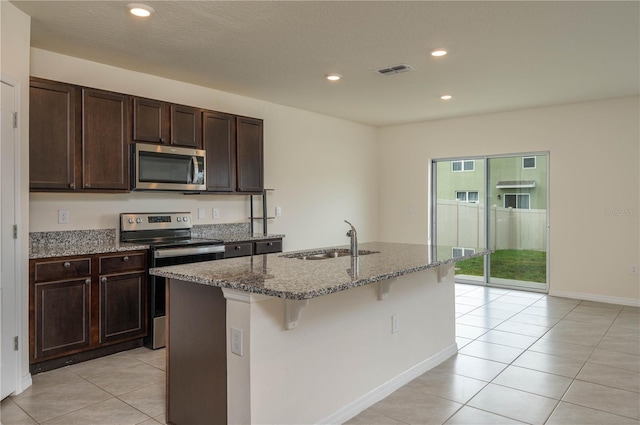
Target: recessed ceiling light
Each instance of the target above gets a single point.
(333, 77)
(446, 97)
(140, 9)
(437, 52)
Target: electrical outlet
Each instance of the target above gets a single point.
(63, 216)
(236, 341)
(216, 213)
(202, 213)
(395, 323)
(634, 269)
(278, 211)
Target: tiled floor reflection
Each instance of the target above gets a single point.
(124, 388)
(524, 358)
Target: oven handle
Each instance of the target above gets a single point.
(181, 252)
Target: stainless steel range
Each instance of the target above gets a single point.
(170, 242)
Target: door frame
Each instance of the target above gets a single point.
(485, 158)
(18, 323)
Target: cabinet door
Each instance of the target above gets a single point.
(52, 135)
(105, 141)
(61, 317)
(186, 127)
(218, 139)
(250, 155)
(150, 124)
(122, 306)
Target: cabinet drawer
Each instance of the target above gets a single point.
(265, 247)
(62, 269)
(122, 263)
(238, 249)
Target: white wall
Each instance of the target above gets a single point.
(322, 168)
(594, 185)
(14, 65)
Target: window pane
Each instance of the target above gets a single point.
(472, 197)
(529, 162)
(469, 165)
(510, 201)
(461, 196)
(456, 165)
(523, 201)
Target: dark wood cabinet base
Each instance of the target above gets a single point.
(47, 365)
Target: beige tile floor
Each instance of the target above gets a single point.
(524, 358)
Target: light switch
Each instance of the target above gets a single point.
(216, 213)
(202, 213)
(236, 341)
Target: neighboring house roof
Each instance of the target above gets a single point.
(515, 184)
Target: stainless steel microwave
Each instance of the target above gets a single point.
(158, 167)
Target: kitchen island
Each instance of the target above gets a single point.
(298, 338)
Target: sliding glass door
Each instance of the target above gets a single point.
(499, 202)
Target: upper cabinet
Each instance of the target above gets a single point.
(219, 142)
(234, 148)
(250, 171)
(155, 121)
(52, 133)
(105, 141)
(78, 138)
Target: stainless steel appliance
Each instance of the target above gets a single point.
(158, 167)
(170, 242)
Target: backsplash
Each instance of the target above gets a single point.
(221, 231)
(71, 237)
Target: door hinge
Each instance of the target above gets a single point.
(15, 231)
(15, 120)
(15, 343)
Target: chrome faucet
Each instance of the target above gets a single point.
(354, 239)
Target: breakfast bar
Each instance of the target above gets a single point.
(305, 337)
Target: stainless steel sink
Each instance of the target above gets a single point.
(325, 254)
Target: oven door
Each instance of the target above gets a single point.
(160, 257)
(157, 167)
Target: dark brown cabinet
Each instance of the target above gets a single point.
(122, 296)
(60, 302)
(150, 124)
(52, 133)
(250, 161)
(78, 138)
(218, 139)
(105, 141)
(84, 307)
(155, 121)
(243, 249)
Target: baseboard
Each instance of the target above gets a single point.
(26, 383)
(372, 397)
(633, 302)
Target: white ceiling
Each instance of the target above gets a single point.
(504, 55)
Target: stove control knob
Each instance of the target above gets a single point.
(185, 219)
(138, 220)
(130, 221)
(179, 219)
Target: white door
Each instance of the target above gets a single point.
(8, 286)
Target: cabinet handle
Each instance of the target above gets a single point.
(87, 186)
(125, 259)
(87, 281)
(67, 264)
(270, 244)
(238, 248)
(72, 185)
(103, 279)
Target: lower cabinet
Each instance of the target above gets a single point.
(242, 249)
(85, 307)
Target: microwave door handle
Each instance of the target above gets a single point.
(194, 166)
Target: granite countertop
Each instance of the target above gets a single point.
(280, 276)
(86, 242)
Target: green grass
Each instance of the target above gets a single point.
(525, 265)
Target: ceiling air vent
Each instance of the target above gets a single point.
(396, 69)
